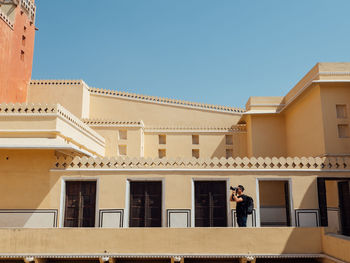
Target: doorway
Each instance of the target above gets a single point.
(145, 204)
(80, 204)
(210, 204)
(274, 203)
(344, 206)
(334, 204)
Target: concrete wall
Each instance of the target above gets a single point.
(266, 136)
(331, 95)
(145, 241)
(155, 114)
(15, 76)
(304, 125)
(336, 246)
(72, 95)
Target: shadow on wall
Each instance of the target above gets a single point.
(30, 195)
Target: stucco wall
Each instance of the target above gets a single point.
(304, 125)
(266, 136)
(331, 95)
(157, 114)
(162, 241)
(72, 95)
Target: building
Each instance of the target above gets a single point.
(17, 30)
(91, 175)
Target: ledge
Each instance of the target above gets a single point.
(46, 126)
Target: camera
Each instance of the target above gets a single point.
(233, 188)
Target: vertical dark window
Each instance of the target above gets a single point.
(145, 204)
(80, 204)
(210, 204)
(344, 207)
(322, 201)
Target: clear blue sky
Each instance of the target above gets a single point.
(211, 51)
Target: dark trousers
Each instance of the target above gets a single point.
(242, 220)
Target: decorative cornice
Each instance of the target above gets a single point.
(112, 123)
(274, 163)
(6, 19)
(29, 7)
(167, 101)
(232, 129)
(334, 73)
(37, 109)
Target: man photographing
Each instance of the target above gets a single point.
(240, 199)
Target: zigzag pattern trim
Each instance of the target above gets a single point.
(295, 163)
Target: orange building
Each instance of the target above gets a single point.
(17, 31)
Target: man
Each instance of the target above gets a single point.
(241, 210)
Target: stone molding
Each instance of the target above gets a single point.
(112, 123)
(5, 18)
(274, 163)
(232, 129)
(29, 7)
(37, 109)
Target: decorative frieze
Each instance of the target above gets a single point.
(112, 123)
(289, 163)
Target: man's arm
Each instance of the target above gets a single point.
(236, 198)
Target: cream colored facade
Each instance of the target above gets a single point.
(291, 153)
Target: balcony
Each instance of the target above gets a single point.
(167, 243)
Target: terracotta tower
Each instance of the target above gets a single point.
(17, 31)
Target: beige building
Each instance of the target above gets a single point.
(91, 175)
(147, 178)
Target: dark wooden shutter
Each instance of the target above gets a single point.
(210, 204)
(322, 201)
(344, 207)
(287, 202)
(80, 204)
(145, 204)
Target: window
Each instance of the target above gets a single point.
(161, 153)
(343, 131)
(162, 139)
(23, 40)
(228, 139)
(123, 134)
(22, 55)
(145, 204)
(210, 204)
(195, 139)
(195, 153)
(80, 204)
(122, 150)
(229, 153)
(341, 111)
(24, 28)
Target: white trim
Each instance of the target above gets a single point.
(127, 197)
(63, 194)
(329, 80)
(199, 179)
